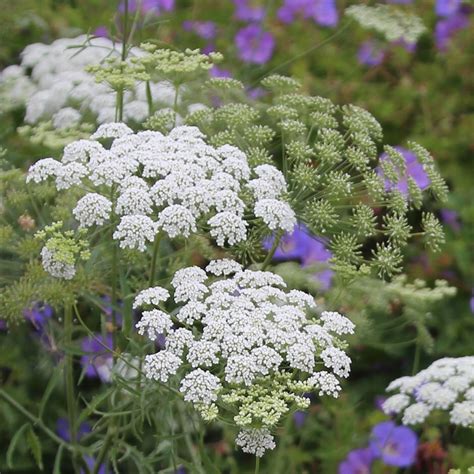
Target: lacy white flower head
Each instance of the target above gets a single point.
(176, 184)
(240, 339)
(447, 385)
(52, 83)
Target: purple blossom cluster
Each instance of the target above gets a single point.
(307, 249)
(393, 445)
(452, 15)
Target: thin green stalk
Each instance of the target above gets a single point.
(35, 420)
(197, 464)
(69, 375)
(416, 360)
(114, 292)
(156, 247)
(149, 98)
(103, 452)
(257, 465)
(272, 251)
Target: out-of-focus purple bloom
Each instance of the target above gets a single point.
(101, 31)
(204, 29)
(414, 169)
(90, 461)
(245, 12)
(156, 7)
(254, 45)
(471, 302)
(447, 7)
(63, 430)
(406, 45)
(256, 93)
(446, 28)
(216, 71)
(98, 361)
(378, 402)
(38, 314)
(160, 341)
(370, 54)
(395, 445)
(323, 12)
(299, 417)
(302, 246)
(3, 325)
(450, 217)
(358, 461)
(107, 309)
(180, 470)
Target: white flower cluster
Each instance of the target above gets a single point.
(236, 327)
(446, 385)
(52, 83)
(56, 267)
(179, 180)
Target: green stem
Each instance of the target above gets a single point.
(154, 258)
(35, 420)
(114, 293)
(416, 359)
(149, 98)
(268, 258)
(69, 375)
(197, 464)
(257, 465)
(102, 453)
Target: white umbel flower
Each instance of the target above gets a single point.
(161, 366)
(224, 266)
(154, 323)
(255, 441)
(462, 414)
(227, 227)
(55, 267)
(42, 170)
(326, 382)
(443, 386)
(92, 209)
(151, 296)
(335, 322)
(135, 231)
(112, 130)
(177, 221)
(134, 201)
(278, 215)
(200, 387)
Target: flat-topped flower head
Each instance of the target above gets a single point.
(447, 385)
(239, 337)
(175, 184)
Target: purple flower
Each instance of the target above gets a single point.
(106, 307)
(395, 445)
(370, 54)
(245, 12)
(471, 302)
(101, 31)
(414, 169)
(450, 217)
(216, 71)
(446, 28)
(256, 93)
(90, 461)
(204, 29)
(406, 45)
(299, 417)
(254, 44)
(38, 315)
(3, 325)
(323, 12)
(358, 461)
(97, 362)
(157, 7)
(302, 246)
(63, 430)
(447, 7)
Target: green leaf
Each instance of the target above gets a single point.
(49, 390)
(11, 448)
(35, 446)
(57, 460)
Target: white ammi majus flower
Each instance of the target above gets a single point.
(176, 184)
(446, 385)
(235, 333)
